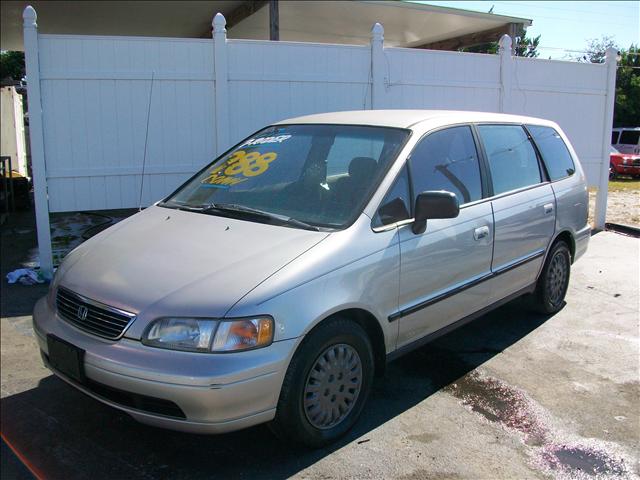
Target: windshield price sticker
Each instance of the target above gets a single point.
(263, 140)
(240, 167)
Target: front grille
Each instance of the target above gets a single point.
(91, 316)
(636, 162)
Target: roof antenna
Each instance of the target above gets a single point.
(146, 137)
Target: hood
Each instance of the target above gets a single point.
(168, 262)
(625, 156)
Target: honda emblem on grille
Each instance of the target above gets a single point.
(82, 312)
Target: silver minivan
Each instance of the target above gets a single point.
(278, 281)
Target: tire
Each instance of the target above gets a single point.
(305, 393)
(612, 171)
(554, 280)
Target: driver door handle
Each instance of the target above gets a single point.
(481, 232)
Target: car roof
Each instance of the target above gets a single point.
(410, 118)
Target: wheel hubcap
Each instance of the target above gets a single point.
(332, 386)
(557, 278)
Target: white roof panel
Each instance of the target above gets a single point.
(409, 118)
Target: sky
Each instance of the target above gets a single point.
(566, 25)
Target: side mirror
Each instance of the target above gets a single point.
(434, 204)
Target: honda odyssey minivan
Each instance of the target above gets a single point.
(278, 281)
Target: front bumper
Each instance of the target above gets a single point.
(627, 169)
(215, 393)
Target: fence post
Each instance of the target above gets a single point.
(377, 66)
(603, 183)
(30, 28)
(506, 66)
(221, 67)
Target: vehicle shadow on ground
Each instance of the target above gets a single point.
(66, 434)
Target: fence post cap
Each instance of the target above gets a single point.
(505, 44)
(29, 16)
(611, 54)
(377, 31)
(219, 23)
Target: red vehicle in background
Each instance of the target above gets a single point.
(623, 164)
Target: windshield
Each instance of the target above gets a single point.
(321, 175)
(630, 137)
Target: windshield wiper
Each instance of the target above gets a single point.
(188, 208)
(234, 207)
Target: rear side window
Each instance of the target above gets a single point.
(554, 152)
(630, 137)
(512, 159)
(448, 160)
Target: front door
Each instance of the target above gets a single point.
(443, 268)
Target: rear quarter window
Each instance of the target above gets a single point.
(555, 153)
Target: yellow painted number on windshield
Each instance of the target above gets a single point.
(249, 164)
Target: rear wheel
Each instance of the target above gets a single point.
(326, 384)
(554, 280)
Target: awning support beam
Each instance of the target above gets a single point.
(471, 39)
(274, 21)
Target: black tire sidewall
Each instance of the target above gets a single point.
(560, 248)
(291, 418)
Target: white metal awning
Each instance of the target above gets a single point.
(406, 24)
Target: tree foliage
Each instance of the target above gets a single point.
(525, 46)
(12, 65)
(627, 107)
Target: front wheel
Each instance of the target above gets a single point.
(554, 280)
(612, 171)
(326, 384)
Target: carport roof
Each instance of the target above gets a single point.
(406, 24)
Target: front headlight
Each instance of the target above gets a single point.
(209, 335)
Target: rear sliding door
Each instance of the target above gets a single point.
(523, 207)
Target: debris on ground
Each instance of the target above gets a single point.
(25, 276)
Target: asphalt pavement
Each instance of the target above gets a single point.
(511, 395)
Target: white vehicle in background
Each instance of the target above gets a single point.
(626, 140)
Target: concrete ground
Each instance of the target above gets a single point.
(511, 395)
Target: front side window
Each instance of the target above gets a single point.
(555, 153)
(512, 159)
(321, 175)
(396, 205)
(448, 160)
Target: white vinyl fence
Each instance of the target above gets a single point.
(203, 95)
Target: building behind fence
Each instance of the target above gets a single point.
(207, 94)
